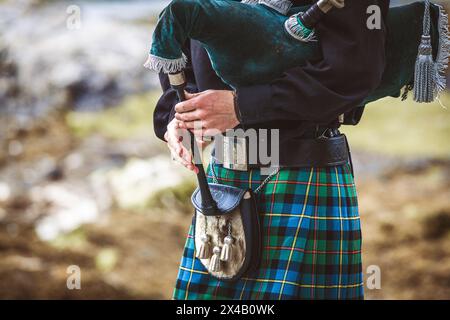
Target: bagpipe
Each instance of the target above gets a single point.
(255, 41)
(252, 42)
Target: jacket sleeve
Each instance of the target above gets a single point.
(351, 68)
(165, 107)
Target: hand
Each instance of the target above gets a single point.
(207, 113)
(174, 138)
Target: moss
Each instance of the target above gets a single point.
(130, 119)
(76, 239)
(177, 198)
(107, 259)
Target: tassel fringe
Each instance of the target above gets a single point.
(282, 6)
(443, 52)
(214, 264)
(429, 77)
(425, 77)
(227, 250)
(297, 30)
(204, 251)
(159, 64)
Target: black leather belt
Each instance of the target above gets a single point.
(325, 151)
(319, 152)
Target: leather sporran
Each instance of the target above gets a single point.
(228, 244)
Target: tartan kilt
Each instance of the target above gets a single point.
(311, 240)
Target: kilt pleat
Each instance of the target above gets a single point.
(311, 240)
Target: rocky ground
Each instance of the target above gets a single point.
(135, 254)
(129, 245)
(405, 216)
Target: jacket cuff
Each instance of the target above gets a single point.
(253, 102)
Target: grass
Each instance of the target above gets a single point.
(77, 239)
(130, 119)
(393, 127)
(177, 197)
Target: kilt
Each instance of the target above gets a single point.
(311, 240)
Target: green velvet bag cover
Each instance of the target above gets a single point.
(249, 45)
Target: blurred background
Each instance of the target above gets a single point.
(83, 180)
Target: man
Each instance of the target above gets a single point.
(311, 227)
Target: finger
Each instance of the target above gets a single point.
(211, 132)
(189, 125)
(198, 133)
(174, 152)
(177, 147)
(173, 140)
(181, 160)
(181, 151)
(175, 157)
(205, 133)
(185, 106)
(183, 125)
(187, 160)
(188, 116)
(186, 155)
(188, 166)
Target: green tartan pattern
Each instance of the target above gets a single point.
(311, 240)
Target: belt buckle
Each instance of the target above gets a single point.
(235, 153)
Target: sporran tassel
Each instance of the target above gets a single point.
(214, 264)
(226, 254)
(204, 251)
(227, 249)
(425, 69)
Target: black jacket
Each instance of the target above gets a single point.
(304, 97)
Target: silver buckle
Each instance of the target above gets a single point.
(235, 153)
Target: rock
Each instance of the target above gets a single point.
(69, 205)
(65, 205)
(437, 225)
(5, 192)
(134, 185)
(30, 264)
(15, 148)
(46, 64)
